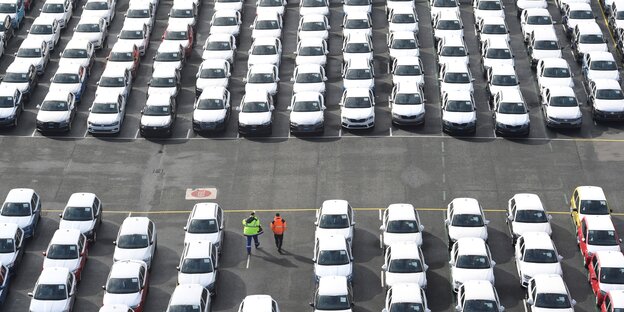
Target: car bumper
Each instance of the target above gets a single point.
(7, 122)
(254, 129)
(458, 128)
(208, 126)
(608, 116)
(563, 123)
(358, 123)
(148, 131)
(413, 120)
(103, 129)
(52, 127)
(317, 128)
(513, 130)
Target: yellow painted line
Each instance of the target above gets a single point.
(604, 17)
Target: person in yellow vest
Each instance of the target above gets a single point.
(251, 230)
(278, 226)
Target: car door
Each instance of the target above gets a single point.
(143, 279)
(83, 248)
(19, 246)
(97, 207)
(71, 290)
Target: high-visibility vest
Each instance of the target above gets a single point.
(278, 225)
(251, 228)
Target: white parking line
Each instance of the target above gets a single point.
(136, 135)
(188, 133)
(86, 133)
(34, 132)
(390, 131)
(444, 196)
(248, 257)
(340, 132)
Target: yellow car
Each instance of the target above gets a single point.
(588, 200)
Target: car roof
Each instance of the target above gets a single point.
(65, 237)
(607, 84)
(211, 93)
(256, 95)
(331, 242)
(528, 201)
(406, 292)
(466, 204)
(262, 68)
(561, 91)
(610, 258)
(44, 20)
(164, 72)
(408, 60)
(82, 199)
(198, 249)
(550, 283)
(186, 294)
(336, 206)
(264, 41)
(538, 240)
(601, 56)
(357, 92)
(401, 212)
(357, 15)
(19, 195)
(590, 193)
(479, 289)
(205, 210)
(7, 230)
(158, 100)
(56, 95)
(123, 46)
(333, 285)
(53, 275)
(134, 225)
(471, 246)
(114, 71)
(126, 268)
(169, 46)
(503, 69)
(459, 95)
(617, 298)
(18, 67)
(313, 18)
(405, 250)
(258, 303)
(599, 222)
(77, 44)
(307, 68)
(33, 42)
(555, 62)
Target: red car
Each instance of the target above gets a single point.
(68, 248)
(182, 33)
(606, 273)
(596, 233)
(613, 302)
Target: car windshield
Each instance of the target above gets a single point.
(168, 56)
(62, 252)
(255, 107)
(453, 51)
(306, 106)
(50, 292)
(408, 70)
(105, 108)
(39, 29)
(603, 65)
(225, 21)
(540, 256)
(602, 238)
(494, 29)
(467, 220)
(261, 78)
(500, 54)
(459, 106)
(123, 285)
(96, 5)
(448, 25)
(407, 307)
(264, 50)
(133, 241)
(196, 266)
(402, 226)
(556, 72)
(163, 82)
(7, 101)
(592, 39)
(504, 80)
(531, 216)
(407, 99)
(357, 24)
(479, 305)
(53, 8)
(181, 13)
(609, 94)
(309, 78)
(156, 110)
(266, 24)
(88, 28)
(15, 210)
(404, 44)
(227, 1)
(539, 20)
(334, 221)
(489, 5)
(311, 51)
(8, 8)
(512, 108)
(314, 26)
(7, 245)
(138, 13)
(612, 275)
(54, 106)
(473, 262)
(563, 101)
(552, 301)
(209, 104)
(546, 45)
(29, 52)
(358, 48)
(66, 78)
(313, 3)
(131, 34)
(112, 82)
(333, 257)
(329, 303)
(176, 35)
(403, 19)
(218, 46)
(203, 226)
(212, 73)
(445, 3)
(77, 214)
(581, 14)
(456, 77)
(357, 102)
(75, 53)
(121, 57)
(620, 15)
(594, 207)
(270, 3)
(357, 2)
(15, 77)
(183, 308)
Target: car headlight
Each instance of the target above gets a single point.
(294, 124)
(526, 277)
(242, 124)
(268, 123)
(371, 117)
(64, 123)
(344, 118)
(500, 125)
(472, 123)
(603, 293)
(211, 287)
(116, 123)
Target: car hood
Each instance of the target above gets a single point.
(408, 79)
(595, 248)
(346, 232)
(22, 222)
(8, 258)
(333, 270)
(603, 74)
(357, 113)
(263, 59)
(392, 27)
(138, 42)
(228, 54)
(103, 119)
(487, 13)
(408, 110)
(573, 22)
(317, 59)
(237, 6)
(211, 237)
(309, 87)
(110, 90)
(358, 83)
(41, 37)
(68, 62)
(556, 82)
(254, 118)
(180, 20)
(204, 279)
(520, 228)
(513, 119)
(313, 10)
(447, 87)
(459, 117)
(456, 232)
(535, 309)
(47, 116)
(404, 52)
(131, 254)
(35, 61)
(7, 111)
(168, 66)
(230, 30)
(130, 300)
(391, 238)
(70, 87)
(258, 33)
(463, 275)
(439, 33)
(591, 47)
(484, 37)
(95, 13)
(496, 89)
(127, 65)
(323, 34)
(271, 87)
(400, 278)
(609, 105)
(498, 62)
(171, 91)
(449, 59)
(71, 264)
(202, 83)
(306, 118)
(564, 112)
(540, 54)
(155, 121)
(608, 287)
(348, 56)
(87, 36)
(48, 305)
(83, 226)
(532, 269)
(526, 4)
(204, 115)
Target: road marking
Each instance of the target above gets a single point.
(238, 135)
(550, 146)
(188, 133)
(340, 132)
(442, 144)
(86, 132)
(248, 257)
(390, 131)
(565, 197)
(443, 195)
(34, 132)
(604, 17)
(129, 214)
(136, 135)
(200, 193)
(382, 279)
(379, 214)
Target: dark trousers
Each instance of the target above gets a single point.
(279, 238)
(255, 238)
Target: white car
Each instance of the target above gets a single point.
(403, 18)
(107, 113)
(253, 303)
(407, 104)
(135, 32)
(356, 23)
(313, 7)
(12, 247)
(352, 6)
(452, 49)
(335, 217)
(46, 29)
(199, 264)
(447, 24)
(83, 211)
(538, 20)
(262, 77)
(400, 223)
(333, 293)
(182, 34)
(256, 113)
(56, 112)
(225, 22)
(164, 81)
(126, 56)
(127, 283)
(21, 76)
(400, 5)
(404, 263)
(587, 38)
(22, 206)
(358, 73)
(526, 213)
(192, 297)
(561, 108)
(34, 52)
(496, 52)
(91, 30)
(408, 296)
(407, 70)
(206, 221)
(271, 6)
(169, 56)
(332, 257)
(311, 51)
(443, 6)
(357, 45)
(307, 110)
(55, 290)
(455, 76)
(606, 99)
(522, 5)
(234, 5)
(576, 13)
(115, 80)
(211, 112)
(136, 240)
(313, 26)
(142, 12)
(67, 249)
(212, 73)
(478, 296)
(464, 218)
(96, 9)
(265, 50)
(79, 52)
(267, 25)
(492, 28)
(511, 114)
(553, 72)
(357, 108)
(183, 12)
(471, 260)
(219, 46)
(403, 43)
(548, 292)
(535, 254)
(72, 78)
(308, 78)
(158, 117)
(487, 8)
(501, 78)
(11, 107)
(61, 10)
(599, 65)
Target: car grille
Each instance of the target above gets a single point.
(356, 120)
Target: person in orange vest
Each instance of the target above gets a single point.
(278, 226)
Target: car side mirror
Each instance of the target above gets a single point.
(421, 227)
(277, 79)
(249, 51)
(502, 309)
(238, 108)
(382, 228)
(272, 108)
(529, 301)
(573, 302)
(115, 242)
(60, 215)
(510, 217)
(549, 217)
(38, 106)
(178, 268)
(384, 267)
(289, 107)
(30, 294)
(446, 221)
(44, 253)
(458, 308)
(311, 304)
(486, 222)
